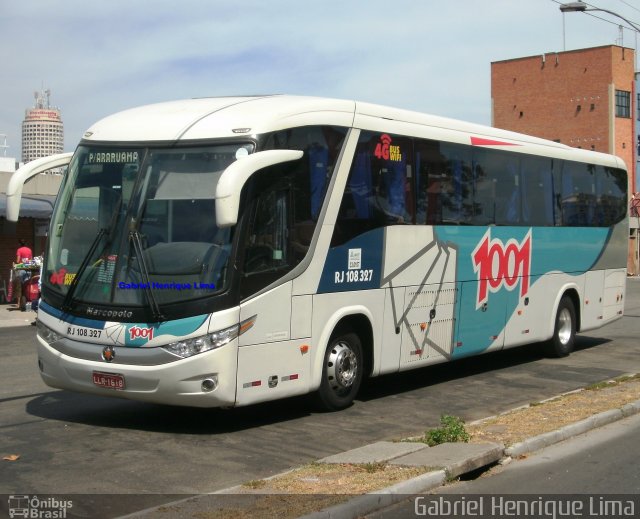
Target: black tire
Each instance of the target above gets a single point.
(564, 331)
(342, 372)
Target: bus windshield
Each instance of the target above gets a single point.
(134, 220)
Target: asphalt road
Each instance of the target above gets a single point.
(73, 443)
(595, 474)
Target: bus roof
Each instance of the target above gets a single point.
(219, 117)
(227, 117)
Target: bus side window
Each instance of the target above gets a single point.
(612, 198)
(578, 194)
(537, 191)
(508, 210)
(266, 245)
(496, 192)
(430, 168)
(355, 214)
(456, 191)
(379, 190)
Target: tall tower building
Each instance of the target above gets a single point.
(42, 129)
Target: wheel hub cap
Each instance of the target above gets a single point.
(342, 366)
(565, 326)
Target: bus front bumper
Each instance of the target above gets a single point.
(204, 380)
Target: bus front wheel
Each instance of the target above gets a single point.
(564, 332)
(341, 372)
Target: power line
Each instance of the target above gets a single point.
(631, 6)
(632, 22)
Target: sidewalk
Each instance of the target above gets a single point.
(445, 462)
(11, 316)
(451, 460)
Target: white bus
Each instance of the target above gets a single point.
(228, 251)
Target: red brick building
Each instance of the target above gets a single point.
(583, 98)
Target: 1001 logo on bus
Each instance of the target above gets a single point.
(501, 265)
(136, 332)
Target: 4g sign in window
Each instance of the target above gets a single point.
(386, 151)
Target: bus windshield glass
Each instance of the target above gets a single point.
(131, 220)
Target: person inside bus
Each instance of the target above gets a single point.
(23, 255)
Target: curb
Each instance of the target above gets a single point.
(366, 503)
(598, 420)
(382, 498)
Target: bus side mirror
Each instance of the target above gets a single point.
(22, 176)
(236, 175)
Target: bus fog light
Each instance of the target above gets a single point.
(209, 384)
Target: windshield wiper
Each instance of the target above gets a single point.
(68, 298)
(134, 236)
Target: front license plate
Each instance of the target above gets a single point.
(108, 380)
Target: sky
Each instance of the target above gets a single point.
(433, 56)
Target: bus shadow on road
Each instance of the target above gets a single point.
(460, 377)
(483, 367)
(114, 413)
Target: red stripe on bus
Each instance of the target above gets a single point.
(479, 141)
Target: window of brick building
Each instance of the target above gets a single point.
(623, 103)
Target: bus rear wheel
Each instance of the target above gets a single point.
(341, 372)
(564, 332)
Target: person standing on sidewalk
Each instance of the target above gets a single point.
(23, 255)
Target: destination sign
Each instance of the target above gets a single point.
(113, 157)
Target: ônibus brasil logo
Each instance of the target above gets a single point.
(501, 265)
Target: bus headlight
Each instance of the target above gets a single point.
(189, 347)
(47, 334)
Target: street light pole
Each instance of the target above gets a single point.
(581, 7)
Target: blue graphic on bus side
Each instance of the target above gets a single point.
(135, 334)
(355, 265)
(478, 325)
(496, 267)
(70, 319)
(140, 334)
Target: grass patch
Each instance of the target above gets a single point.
(331, 478)
(611, 383)
(548, 415)
(451, 430)
(255, 484)
(601, 385)
(372, 468)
